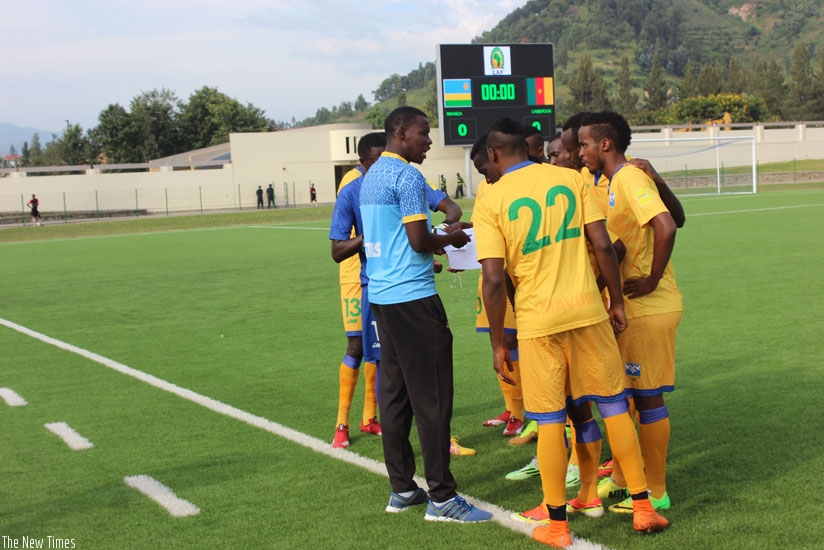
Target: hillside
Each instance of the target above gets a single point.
(699, 32)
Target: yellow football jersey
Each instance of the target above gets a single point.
(534, 218)
(633, 202)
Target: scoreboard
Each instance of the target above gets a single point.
(479, 84)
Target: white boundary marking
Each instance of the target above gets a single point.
(162, 495)
(74, 440)
(755, 210)
(500, 515)
(12, 398)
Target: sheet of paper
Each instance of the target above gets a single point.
(465, 257)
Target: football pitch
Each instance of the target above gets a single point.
(202, 353)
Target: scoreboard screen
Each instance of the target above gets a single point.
(481, 83)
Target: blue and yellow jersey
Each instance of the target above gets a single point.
(393, 194)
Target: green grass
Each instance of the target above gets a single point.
(157, 293)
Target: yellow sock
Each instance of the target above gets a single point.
(506, 391)
(516, 395)
(654, 443)
(623, 440)
(588, 456)
(348, 380)
(617, 473)
(552, 463)
(370, 398)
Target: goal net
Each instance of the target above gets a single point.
(701, 165)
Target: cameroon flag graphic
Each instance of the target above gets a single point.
(539, 91)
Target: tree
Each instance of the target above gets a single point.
(323, 116)
(588, 89)
(401, 99)
(361, 104)
(710, 80)
(655, 86)
(116, 135)
(817, 105)
(35, 156)
(154, 121)
(210, 116)
(688, 85)
(768, 83)
(736, 81)
(376, 117)
(25, 154)
(72, 148)
(627, 101)
(388, 89)
(801, 88)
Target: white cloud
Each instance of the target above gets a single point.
(72, 59)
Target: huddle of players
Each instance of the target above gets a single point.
(529, 229)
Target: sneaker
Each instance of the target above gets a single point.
(646, 520)
(530, 470)
(539, 514)
(514, 426)
(555, 534)
(502, 418)
(605, 468)
(573, 476)
(398, 503)
(608, 489)
(457, 450)
(341, 440)
(625, 506)
(529, 433)
(456, 509)
(372, 427)
(594, 509)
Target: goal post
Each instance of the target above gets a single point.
(708, 164)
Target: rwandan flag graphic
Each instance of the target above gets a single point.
(539, 91)
(457, 93)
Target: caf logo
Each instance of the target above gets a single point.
(496, 58)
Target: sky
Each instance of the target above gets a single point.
(68, 61)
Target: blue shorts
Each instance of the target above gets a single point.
(371, 342)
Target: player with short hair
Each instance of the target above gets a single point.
(416, 343)
(535, 221)
(535, 143)
(513, 416)
(644, 225)
(346, 242)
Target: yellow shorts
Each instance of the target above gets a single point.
(582, 363)
(648, 350)
(482, 322)
(350, 303)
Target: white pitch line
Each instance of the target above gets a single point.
(12, 398)
(74, 440)
(754, 210)
(162, 495)
(500, 515)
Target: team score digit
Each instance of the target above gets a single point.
(533, 243)
(353, 307)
